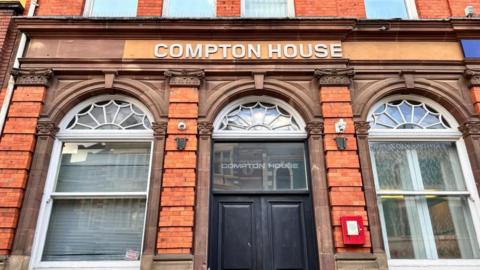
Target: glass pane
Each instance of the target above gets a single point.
(94, 230)
(403, 228)
(259, 166)
(392, 165)
(452, 228)
(266, 8)
(407, 114)
(114, 8)
(436, 162)
(104, 167)
(259, 116)
(190, 8)
(440, 166)
(386, 9)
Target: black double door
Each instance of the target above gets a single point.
(262, 232)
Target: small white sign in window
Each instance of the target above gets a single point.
(352, 227)
(131, 255)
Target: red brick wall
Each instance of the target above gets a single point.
(345, 8)
(175, 235)
(428, 9)
(7, 43)
(5, 18)
(457, 7)
(59, 8)
(311, 8)
(149, 8)
(228, 8)
(16, 147)
(303, 8)
(351, 8)
(343, 167)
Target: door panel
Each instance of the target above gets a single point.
(286, 235)
(235, 239)
(262, 232)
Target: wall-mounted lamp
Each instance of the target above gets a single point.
(469, 11)
(182, 125)
(340, 127)
(181, 143)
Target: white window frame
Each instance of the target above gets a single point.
(290, 10)
(411, 7)
(165, 10)
(429, 135)
(88, 9)
(72, 136)
(228, 134)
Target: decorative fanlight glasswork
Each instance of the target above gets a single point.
(110, 114)
(407, 114)
(258, 116)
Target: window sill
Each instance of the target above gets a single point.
(103, 265)
(441, 264)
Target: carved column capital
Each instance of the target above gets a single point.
(314, 128)
(32, 77)
(473, 77)
(334, 76)
(46, 129)
(205, 129)
(361, 128)
(159, 129)
(189, 78)
(470, 128)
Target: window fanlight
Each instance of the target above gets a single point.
(110, 115)
(407, 114)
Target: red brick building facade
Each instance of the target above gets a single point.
(352, 90)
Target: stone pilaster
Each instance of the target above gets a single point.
(20, 170)
(175, 235)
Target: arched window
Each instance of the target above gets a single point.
(245, 158)
(110, 114)
(94, 204)
(424, 184)
(259, 117)
(407, 114)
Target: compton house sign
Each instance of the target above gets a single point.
(248, 50)
(234, 49)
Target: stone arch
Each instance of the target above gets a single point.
(296, 97)
(156, 103)
(443, 94)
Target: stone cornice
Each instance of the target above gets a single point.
(187, 78)
(470, 128)
(345, 29)
(32, 77)
(473, 77)
(46, 129)
(334, 76)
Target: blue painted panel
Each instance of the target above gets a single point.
(471, 48)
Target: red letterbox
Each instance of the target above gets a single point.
(352, 230)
